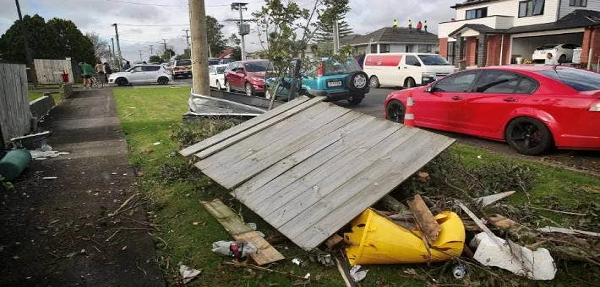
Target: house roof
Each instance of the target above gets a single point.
(576, 19)
(469, 3)
(391, 35)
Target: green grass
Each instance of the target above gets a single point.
(35, 95)
(152, 115)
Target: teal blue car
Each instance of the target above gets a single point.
(328, 78)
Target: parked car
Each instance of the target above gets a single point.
(141, 74)
(181, 68)
(247, 76)
(216, 75)
(328, 78)
(218, 61)
(533, 108)
(405, 69)
(562, 52)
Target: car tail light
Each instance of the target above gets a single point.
(595, 107)
(320, 70)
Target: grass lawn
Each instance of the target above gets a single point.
(176, 189)
(36, 95)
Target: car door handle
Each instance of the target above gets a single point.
(510, 100)
(456, 98)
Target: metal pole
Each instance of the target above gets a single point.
(187, 37)
(243, 48)
(28, 57)
(112, 40)
(199, 52)
(140, 55)
(118, 46)
(165, 44)
(151, 49)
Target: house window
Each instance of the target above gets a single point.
(384, 48)
(578, 3)
(424, 48)
(410, 48)
(476, 13)
(373, 49)
(531, 8)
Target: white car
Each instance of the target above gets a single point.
(216, 74)
(562, 53)
(141, 74)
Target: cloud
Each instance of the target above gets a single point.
(149, 24)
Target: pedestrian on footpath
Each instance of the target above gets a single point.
(425, 26)
(87, 71)
(107, 71)
(99, 69)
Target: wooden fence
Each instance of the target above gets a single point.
(49, 72)
(15, 116)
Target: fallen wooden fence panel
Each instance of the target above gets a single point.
(309, 167)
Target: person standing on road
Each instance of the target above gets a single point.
(99, 69)
(87, 71)
(107, 71)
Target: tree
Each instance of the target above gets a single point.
(236, 54)
(234, 40)
(325, 31)
(154, 59)
(55, 39)
(100, 45)
(215, 36)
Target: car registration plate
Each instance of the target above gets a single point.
(334, 84)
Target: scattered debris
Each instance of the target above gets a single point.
(234, 249)
(423, 177)
(297, 261)
(392, 204)
(156, 143)
(49, 177)
(356, 274)
(549, 229)
(491, 199)
(424, 218)
(536, 265)
(342, 266)
(246, 265)
(334, 241)
(459, 271)
(377, 240)
(188, 274)
(322, 257)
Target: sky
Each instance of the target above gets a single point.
(143, 23)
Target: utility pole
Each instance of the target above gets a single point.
(151, 49)
(28, 56)
(120, 56)
(165, 44)
(242, 30)
(112, 40)
(141, 60)
(199, 52)
(187, 37)
(336, 36)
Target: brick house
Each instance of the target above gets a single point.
(390, 40)
(497, 32)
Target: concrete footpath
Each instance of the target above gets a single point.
(86, 227)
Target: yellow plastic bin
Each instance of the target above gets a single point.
(377, 240)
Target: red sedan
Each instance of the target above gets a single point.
(533, 108)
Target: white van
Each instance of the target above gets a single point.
(405, 69)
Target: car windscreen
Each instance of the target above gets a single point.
(257, 66)
(184, 63)
(334, 67)
(546, 47)
(221, 70)
(577, 79)
(433, 60)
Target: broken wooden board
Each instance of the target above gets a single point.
(426, 222)
(491, 199)
(265, 254)
(309, 167)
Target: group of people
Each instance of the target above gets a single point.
(101, 71)
(421, 26)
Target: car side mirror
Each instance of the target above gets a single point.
(429, 89)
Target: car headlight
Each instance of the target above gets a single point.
(428, 75)
(595, 107)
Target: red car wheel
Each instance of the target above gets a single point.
(395, 111)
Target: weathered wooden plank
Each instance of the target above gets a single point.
(217, 147)
(48, 71)
(376, 133)
(266, 176)
(219, 170)
(265, 138)
(242, 127)
(385, 176)
(338, 175)
(228, 219)
(15, 116)
(241, 232)
(266, 252)
(312, 130)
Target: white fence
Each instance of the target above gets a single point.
(15, 116)
(49, 72)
